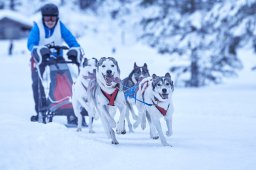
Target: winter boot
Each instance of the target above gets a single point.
(34, 118)
(71, 120)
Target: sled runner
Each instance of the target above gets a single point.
(59, 90)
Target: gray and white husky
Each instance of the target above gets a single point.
(156, 94)
(130, 86)
(107, 95)
(79, 92)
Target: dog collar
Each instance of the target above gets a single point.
(111, 97)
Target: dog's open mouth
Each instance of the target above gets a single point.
(164, 95)
(139, 79)
(109, 79)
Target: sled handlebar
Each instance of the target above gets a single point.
(53, 62)
(58, 47)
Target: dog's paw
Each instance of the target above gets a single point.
(168, 133)
(155, 137)
(143, 125)
(79, 129)
(91, 131)
(166, 144)
(115, 142)
(121, 131)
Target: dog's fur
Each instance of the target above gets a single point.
(108, 85)
(80, 89)
(130, 85)
(156, 92)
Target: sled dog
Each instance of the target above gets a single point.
(130, 86)
(107, 96)
(79, 92)
(156, 94)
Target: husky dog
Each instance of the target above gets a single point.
(80, 89)
(156, 94)
(130, 86)
(107, 95)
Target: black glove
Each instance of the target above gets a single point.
(72, 55)
(45, 53)
(41, 54)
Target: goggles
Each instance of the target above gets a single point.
(50, 18)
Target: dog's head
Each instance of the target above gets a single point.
(89, 66)
(108, 71)
(138, 73)
(162, 86)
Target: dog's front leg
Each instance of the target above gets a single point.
(76, 107)
(109, 131)
(120, 129)
(130, 107)
(109, 116)
(157, 124)
(169, 126)
(90, 113)
(141, 114)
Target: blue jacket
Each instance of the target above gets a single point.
(34, 37)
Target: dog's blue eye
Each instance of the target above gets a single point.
(112, 65)
(103, 66)
(167, 84)
(159, 84)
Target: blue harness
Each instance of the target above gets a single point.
(131, 92)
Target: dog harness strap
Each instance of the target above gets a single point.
(161, 110)
(84, 86)
(111, 97)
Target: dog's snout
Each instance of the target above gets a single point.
(164, 90)
(109, 71)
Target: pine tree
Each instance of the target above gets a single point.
(206, 32)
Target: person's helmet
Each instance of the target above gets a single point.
(50, 10)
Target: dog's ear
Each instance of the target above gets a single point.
(85, 62)
(135, 65)
(118, 69)
(95, 60)
(167, 75)
(100, 61)
(172, 85)
(145, 65)
(154, 76)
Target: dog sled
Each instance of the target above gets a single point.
(58, 89)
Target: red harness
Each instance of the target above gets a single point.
(111, 97)
(161, 110)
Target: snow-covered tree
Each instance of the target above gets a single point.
(207, 32)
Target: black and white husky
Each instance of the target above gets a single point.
(79, 92)
(156, 94)
(130, 86)
(107, 95)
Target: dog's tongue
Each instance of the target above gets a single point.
(109, 80)
(112, 79)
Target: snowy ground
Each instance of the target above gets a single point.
(214, 127)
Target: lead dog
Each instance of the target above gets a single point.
(107, 94)
(130, 86)
(79, 92)
(156, 94)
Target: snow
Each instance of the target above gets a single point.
(214, 127)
